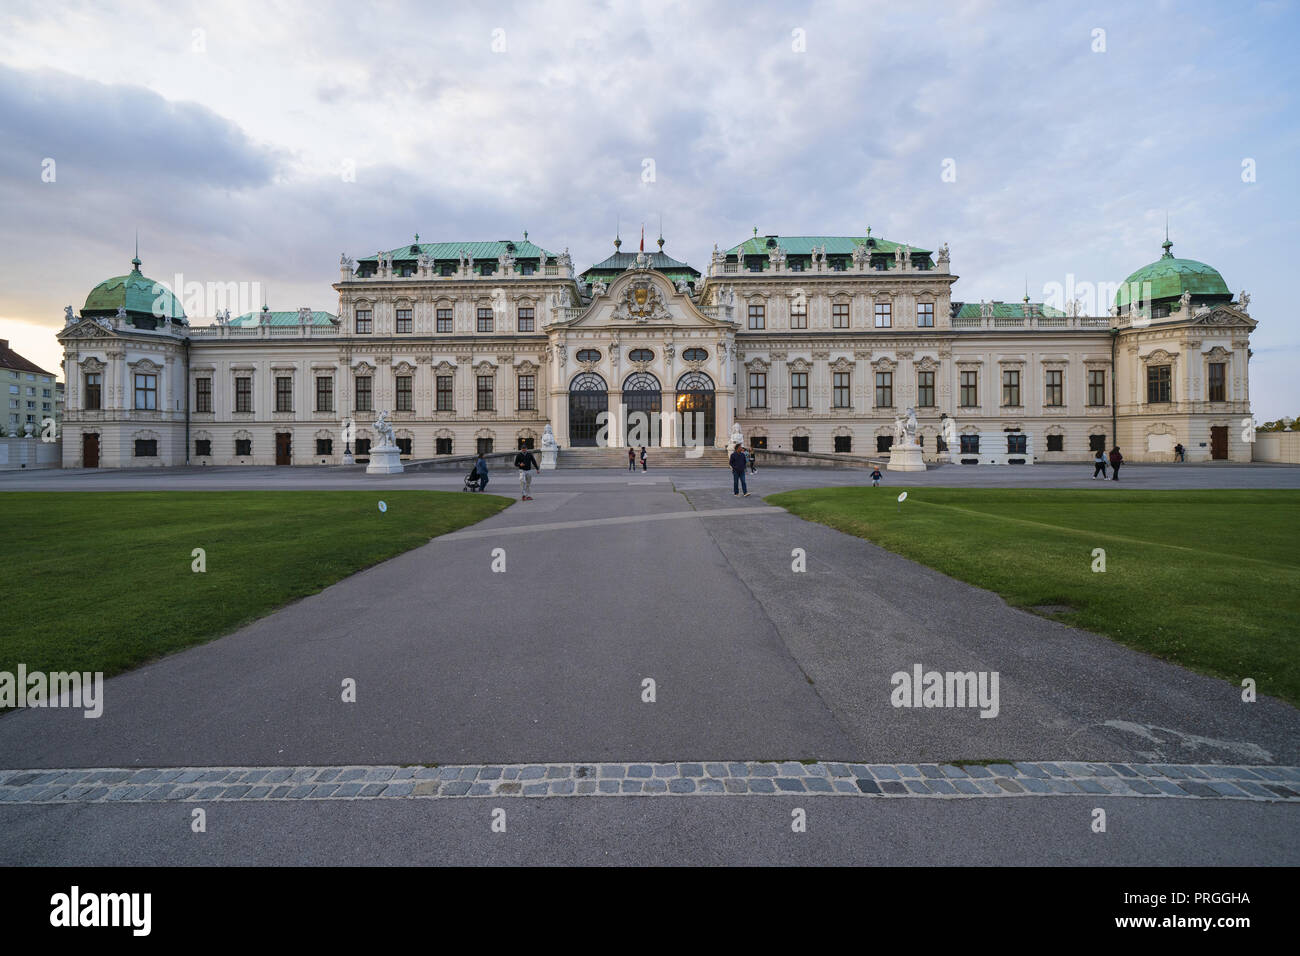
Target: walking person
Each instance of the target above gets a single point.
(526, 464)
(753, 465)
(1180, 453)
(1116, 459)
(738, 464)
(631, 459)
(1099, 465)
(481, 467)
(643, 457)
(875, 477)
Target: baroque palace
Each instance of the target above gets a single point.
(806, 343)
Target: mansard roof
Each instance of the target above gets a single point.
(523, 249)
(281, 318)
(1005, 310)
(804, 245)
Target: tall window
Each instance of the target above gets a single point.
(146, 392)
(1096, 386)
(442, 446)
(798, 389)
(444, 393)
(798, 442)
(284, 394)
(884, 316)
(243, 394)
(444, 320)
(841, 390)
(1055, 388)
(485, 446)
(1011, 386)
(146, 448)
(969, 389)
(364, 394)
(203, 394)
(799, 314)
(485, 393)
(884, 389)
(404, 393)
(969, 444)
(925, 389)
(1218, 380)
(324, 393)
(757, 313)
(243, 447)
(925, 315)
(1159, 388)
(840, 315)
(485, 320)
(527, 393)
(404, 321)
(365, 321)
(525, 318)
(758, 390)
(94, 388)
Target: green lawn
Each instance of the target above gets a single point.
(104, 581)
(1207, 579)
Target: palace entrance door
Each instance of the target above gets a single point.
(588, 410)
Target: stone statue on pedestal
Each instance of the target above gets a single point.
(387, 438)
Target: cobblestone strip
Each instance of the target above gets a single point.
(704, 778)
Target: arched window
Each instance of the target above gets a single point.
(695, 382)
(588, 382)
(641, 382)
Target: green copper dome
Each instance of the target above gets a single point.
(1169, 278)
(147, 302)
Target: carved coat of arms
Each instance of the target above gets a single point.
(641, 302)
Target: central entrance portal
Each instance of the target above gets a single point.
(644, 401)
(588, 410)
(696, 406)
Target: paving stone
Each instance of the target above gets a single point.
(256, 793)
(1142, 786)
(584, 786)
(1281, 790)
(327, 790)
(655, 785)
(839, 770)
(1117, 786)
(354, 789)
(931, 771)
(1003, 770)
(453, 773)
(300, 791)
(489, 773)
(210, 793)
(142, 776)
(711, 785)
(916, 786)
(613, 771)
(276, 794)
(907, 770)
(448, 788)
(1035, 784)
(632, 786)
(738, 769)
(989, 786)
(845, 785)
(1146, 770)
(862, 770)
(665, 770)
(763, 770)
(584, 771)
(1124, 770)
(880, 772)
(1091, 786)
(950, 771)
(302, 774)
(867, 785)
(1253, 788)
(1010, 786)
(427, 773)
(563, 787)
(790, 784)
(513, 788)
(511, 773)
(1169, 770)
(791, 768)
(180, 793)
(1291, 773)
(736, 785)
(1062, 786)
(681, 785)
(966, 786)
(234, 793)
(640, 771)
(405, 773)
(402, 789)
(543, 788)
(816, 770)
(372, 789)
(279, 775)
(1031, 770)
(892, 786)
(762, 785)
(941, 786)
(1101, 770)
(558, 773)
(481, 789)
(1168, 786)
(818, 785)
(691, 770)
(976, 771)
(1076, 769)
(1268, 773)
(1054, 770)
(607, 786)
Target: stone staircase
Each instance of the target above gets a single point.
(655, 458)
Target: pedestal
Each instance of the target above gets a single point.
(906, 458)
(549, 456)
(385, 460)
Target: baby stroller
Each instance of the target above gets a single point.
(472, 481)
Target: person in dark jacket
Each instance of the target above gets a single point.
(875, 477)
(643, 457)
(526, 464)
(738, 464)
(481, 467)
(631, 459)
(1116, 459)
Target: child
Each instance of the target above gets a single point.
(875, 477)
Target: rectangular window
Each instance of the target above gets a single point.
(444, 394)
(243, 394)
(758, 441)
(363, 448)
(884, 389)
(203, 394)
(1056, 443)
(94, 385)
(1218, 386)
(844, 443)
(526, 318)
(146, 392)
(146, 448)
(485, 383)
(1158, 384)
(1096, 443)
(527, 268)
(1096, 387)
(324, 446)
(404, 393)
(969, 389)
(970, 444)
(485, 320)
(284, 394)
(798, 389)
(442, 446)
(404, 447)
(485, 446)
(404, 321)
(884, 443)
(925, 315)
(203, 447)
(799, 315)
(841, 389)
(757, 312)
(925, 389)
(524, 444)
(444, 320)
(1017, 444)
(884, 317)
(1011, 387)
(243, 447)
(527, 393)
(364, 394)
(365, 321)
(324, 393)
(798, 442)
(840, 315)
(1055, 388)
(758, 390)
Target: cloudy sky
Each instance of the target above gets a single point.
(255, 143)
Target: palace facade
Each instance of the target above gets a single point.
(806, 343)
